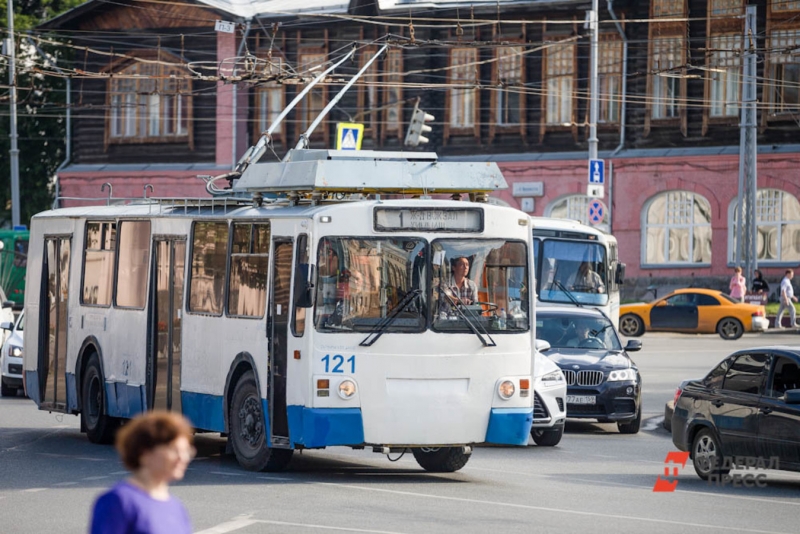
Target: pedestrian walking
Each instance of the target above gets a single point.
(787, 299)
(156, 447)
(738, 285)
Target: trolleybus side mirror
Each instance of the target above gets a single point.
(8, 304)
(6, 326)
(303, 286)
(620, 276)
(542, 345)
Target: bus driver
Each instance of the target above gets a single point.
(458, 289)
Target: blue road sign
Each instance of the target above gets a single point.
(597, 171)
(596, 212)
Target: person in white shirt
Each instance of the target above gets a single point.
(787, 299)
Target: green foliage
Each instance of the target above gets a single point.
(772, 308)
(41, 113)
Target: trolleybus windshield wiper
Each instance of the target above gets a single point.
(378, 330)
(457, 305)
(568, 293)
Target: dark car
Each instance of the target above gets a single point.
(748, 406)
(603, 383)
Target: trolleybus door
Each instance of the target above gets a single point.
(53, 360)
(278, 331)
(166, 305)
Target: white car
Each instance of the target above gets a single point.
(6, 315)
(549, 402)
(11, 357)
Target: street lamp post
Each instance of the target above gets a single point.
(14, 152)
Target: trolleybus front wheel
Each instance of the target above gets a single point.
(248, 431)
(99, 426)
(441, 460)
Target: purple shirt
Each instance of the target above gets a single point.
(127, 509)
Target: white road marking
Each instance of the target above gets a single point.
(227, 473)
(243, 522)
(33, 490)
(84, 458)
(95, 478)
(544, 508)
(274, 478)
(118, 473)
(62, 484)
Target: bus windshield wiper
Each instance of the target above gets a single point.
(568, 293)
(456, 304)
(378, 330)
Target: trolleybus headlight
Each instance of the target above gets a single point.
(506, 389)
(347, 388)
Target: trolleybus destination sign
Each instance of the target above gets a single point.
(429, 219)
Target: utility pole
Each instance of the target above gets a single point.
(746, 223)
(593, 111)
(14, 152)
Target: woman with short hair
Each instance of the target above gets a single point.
(156, 447)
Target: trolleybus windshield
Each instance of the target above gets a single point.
(580, 267)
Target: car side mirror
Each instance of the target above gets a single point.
(8, 304)
(542, 345)
(6, 326)
(634, 345)
(620, 274)
(304, 286)
(792, 396)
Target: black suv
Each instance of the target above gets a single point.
(746, 407)
(602, 381)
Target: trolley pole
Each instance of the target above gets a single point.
(14, 152)
(593, 95)
(747, 224)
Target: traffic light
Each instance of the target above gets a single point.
(418, 126)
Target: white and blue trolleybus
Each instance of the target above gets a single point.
(303, 310)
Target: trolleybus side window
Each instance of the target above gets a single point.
(133, 262)
(247, 286)
(362, 281)
(299, 317)
(98, 263)
(209, 260)
(479, 281)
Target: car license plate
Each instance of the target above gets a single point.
(581, 399)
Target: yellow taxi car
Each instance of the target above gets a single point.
(702, 311)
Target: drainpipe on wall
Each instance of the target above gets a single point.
(624, 77)
(236, 96)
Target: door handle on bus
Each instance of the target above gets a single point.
(766, 410)
(717, 403)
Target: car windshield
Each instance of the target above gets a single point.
(361, 281)
(578, 266)
(480, 284)
(564, 330)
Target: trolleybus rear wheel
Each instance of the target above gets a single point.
(99, 426)
(248, 431)
(441, 460)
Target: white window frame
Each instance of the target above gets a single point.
(677, 220)
(609, 69)
(769, 214)
(463, 102)
(781, 39)
(269, 102)
(667, 54)
(510, 68)
(724, 64)
(559, 84)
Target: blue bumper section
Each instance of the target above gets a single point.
(509, 426)
(72, 394)
(32, 386)
(203, 410)
(124, 400)
(321, 427)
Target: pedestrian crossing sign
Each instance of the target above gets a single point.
(349, 136)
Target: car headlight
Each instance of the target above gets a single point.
(622, 375)
(553, 379)
(15, 351)
(347, 388)
(506, 389)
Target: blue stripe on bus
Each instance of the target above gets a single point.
(124, 400)
(321, 427)
(72, 393)
(509, 426)
(32, 386)
(203, 410)
(265, 411)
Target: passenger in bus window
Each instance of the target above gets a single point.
(157, 448)
(586, 280)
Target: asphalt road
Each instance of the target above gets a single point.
(596, 480)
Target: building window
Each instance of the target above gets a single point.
(784, 69)
(677, 229)
(316, 100)
(149, 103)
(668, 8)
(778, 227)
(666, 58)
(609, 69)
(575, 207)
(463, 98)
(509, 67)
(269, 101)
(393, 92)
(368, 95)
(785, 5)
(559, 76)
(724, 63)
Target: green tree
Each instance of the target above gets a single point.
(41, 112)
